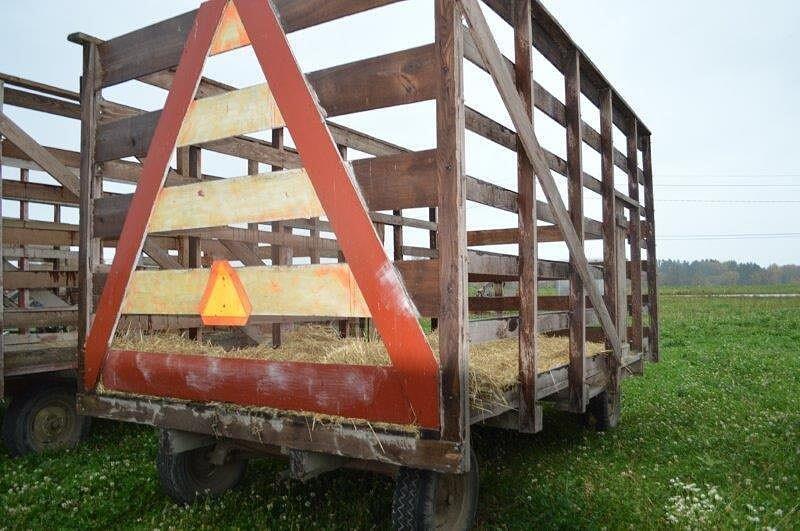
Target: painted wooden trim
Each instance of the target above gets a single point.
(264, 197)
(354, 391)
(246, 110)
(320, 289)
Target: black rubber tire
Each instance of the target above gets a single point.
(43, 418)
(602, 414)
(188, 476)
(417, 503)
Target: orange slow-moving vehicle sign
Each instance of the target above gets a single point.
(225, 301)
(405, 392)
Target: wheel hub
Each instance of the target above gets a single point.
(50, 425)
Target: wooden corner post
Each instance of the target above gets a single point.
(530, 414)
(635, 236)
(91, 187)
(452, 237)
(652, 263)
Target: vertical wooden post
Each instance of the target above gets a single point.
(190, 164)
(91, 187)
(635, 235)
(652, 265)
(253, 169)
(452, 241)
(397, 238)
(530, 414)
(23, 295)
(314, 254)
(281, 254)
(577, 293)
(344, 324)
(622, 279)
(432, 240)
(611, 265)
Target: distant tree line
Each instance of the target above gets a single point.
(716, 273)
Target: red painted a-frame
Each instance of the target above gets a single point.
(405, 392)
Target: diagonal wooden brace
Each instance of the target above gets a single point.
(492, 58)
(46, 161)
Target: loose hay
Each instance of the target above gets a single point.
(493, 368)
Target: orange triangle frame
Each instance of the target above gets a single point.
(405, 392)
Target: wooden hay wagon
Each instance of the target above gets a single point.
(254, 256)
(39, 347)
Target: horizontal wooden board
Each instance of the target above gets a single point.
(40, 279)
(321, 290)
(38, 317)
(393, 182)
(264, 197)
(159, 46)
(397, 78)
(246, 110)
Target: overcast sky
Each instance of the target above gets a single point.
(715, 81)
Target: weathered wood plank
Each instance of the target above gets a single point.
(323, 290)
(40, 279)
(159, 46)
(452, 241)
(247, 110)
(577, 293)
(530, 414)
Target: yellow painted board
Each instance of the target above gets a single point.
(325, 290)
(246, 110)
(264, 197)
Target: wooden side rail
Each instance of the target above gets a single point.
(394, 79)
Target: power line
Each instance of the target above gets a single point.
(731, 202)
(726, 185)
(764, 236)
(727, 175)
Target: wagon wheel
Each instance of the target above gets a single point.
(191, 475)
(43, 418)
(429, 500)
(603, 412)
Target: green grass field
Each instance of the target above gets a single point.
(709, 438)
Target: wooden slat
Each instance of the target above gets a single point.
(40, 279)
(323, 290)
(544, 234)
(247, 110)
(159, 46)
(504, 82)
(264, 197)
(393, 79)
(404, 180)
(39, 318)
(38, 193)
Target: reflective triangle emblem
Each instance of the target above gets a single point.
(225, 301)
